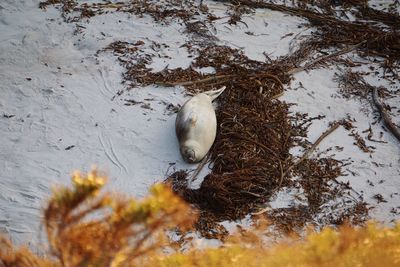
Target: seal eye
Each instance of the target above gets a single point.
(189, 155)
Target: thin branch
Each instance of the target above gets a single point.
(112, 5)
(200, 167)
(184, 83)
(282, 174)
(214, 78)
(323, 58)
(308, 153)
(277, 95)
(275, 78)
(261, 211)
(252, 194)
(257, 143)
(386, 118)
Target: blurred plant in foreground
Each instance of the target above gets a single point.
(369, 246)
(86, 227)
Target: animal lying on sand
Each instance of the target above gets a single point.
(196, 126)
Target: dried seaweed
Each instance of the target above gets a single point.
(333, 31)
(251, 150)
(255, 133)
(352, 84)
(250, 157)
(161, 11)
(386, 118)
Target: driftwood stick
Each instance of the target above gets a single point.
(262, 211)
(386, 118)
(275, 78)
(213, 78)
(277, 95)
(308, 153)
(282, 174)
(200, 167)
(251, 194)
(112, 5)
(323, 58)
(184, 83)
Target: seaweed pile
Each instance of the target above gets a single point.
(161, 11)
(250, 159)
(374, 32)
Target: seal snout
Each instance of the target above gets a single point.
(188, 154)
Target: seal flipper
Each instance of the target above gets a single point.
(213, 94)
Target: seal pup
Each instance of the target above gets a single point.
(196, 126)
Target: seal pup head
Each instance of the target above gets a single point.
(191, 152)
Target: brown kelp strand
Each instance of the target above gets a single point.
(250, 160)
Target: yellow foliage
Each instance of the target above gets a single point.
(16, 257)
(88, 228)
(367, 246)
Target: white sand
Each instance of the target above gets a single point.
(68, 102)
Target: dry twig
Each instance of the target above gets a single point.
(386, 118)
(308, 153)
(187, 83)
(324, 58)
(200, 167)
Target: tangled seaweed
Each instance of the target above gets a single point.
(251, 158)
